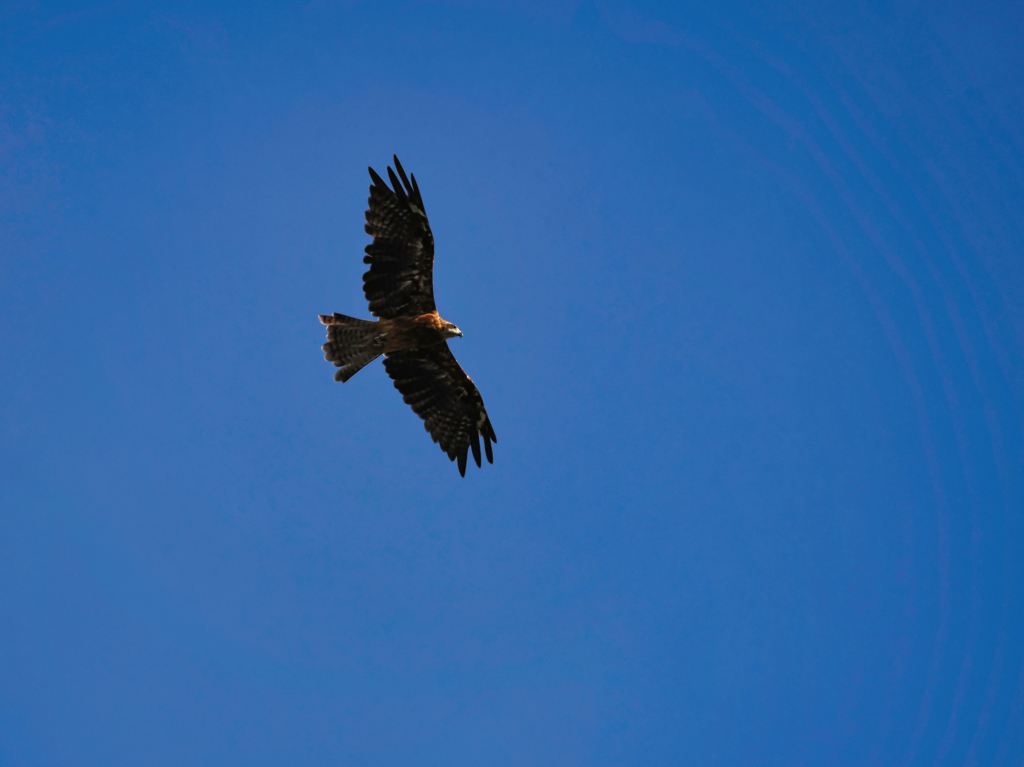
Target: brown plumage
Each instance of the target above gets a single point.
(413, 338)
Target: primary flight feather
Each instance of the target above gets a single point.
(413, 338)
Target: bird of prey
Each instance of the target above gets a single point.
(409, 332)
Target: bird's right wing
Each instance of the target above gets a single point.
(400, 281)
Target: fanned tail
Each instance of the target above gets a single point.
(351, 343)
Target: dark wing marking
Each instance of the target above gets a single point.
(437, 388)
(400, 281)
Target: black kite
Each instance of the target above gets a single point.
(409, 332)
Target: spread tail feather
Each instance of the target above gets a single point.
(351, 343)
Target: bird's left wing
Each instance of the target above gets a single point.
(400, 280)
(437, 388)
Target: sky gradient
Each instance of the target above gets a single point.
(741, 289)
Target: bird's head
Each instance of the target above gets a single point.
(450, 331)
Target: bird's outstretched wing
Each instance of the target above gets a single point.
(400, 281)
(437, 388)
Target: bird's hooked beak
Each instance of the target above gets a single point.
(458, 332)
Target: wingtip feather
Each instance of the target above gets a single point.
(399, 191)
(377, 180)
(401, 174)
(475, 444)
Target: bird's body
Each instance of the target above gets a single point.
(417, 333)
(409, 332)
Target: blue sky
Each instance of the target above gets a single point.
(740, 285)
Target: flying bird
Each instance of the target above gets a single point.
(409, 332)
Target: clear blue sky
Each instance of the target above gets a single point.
(741, 287)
